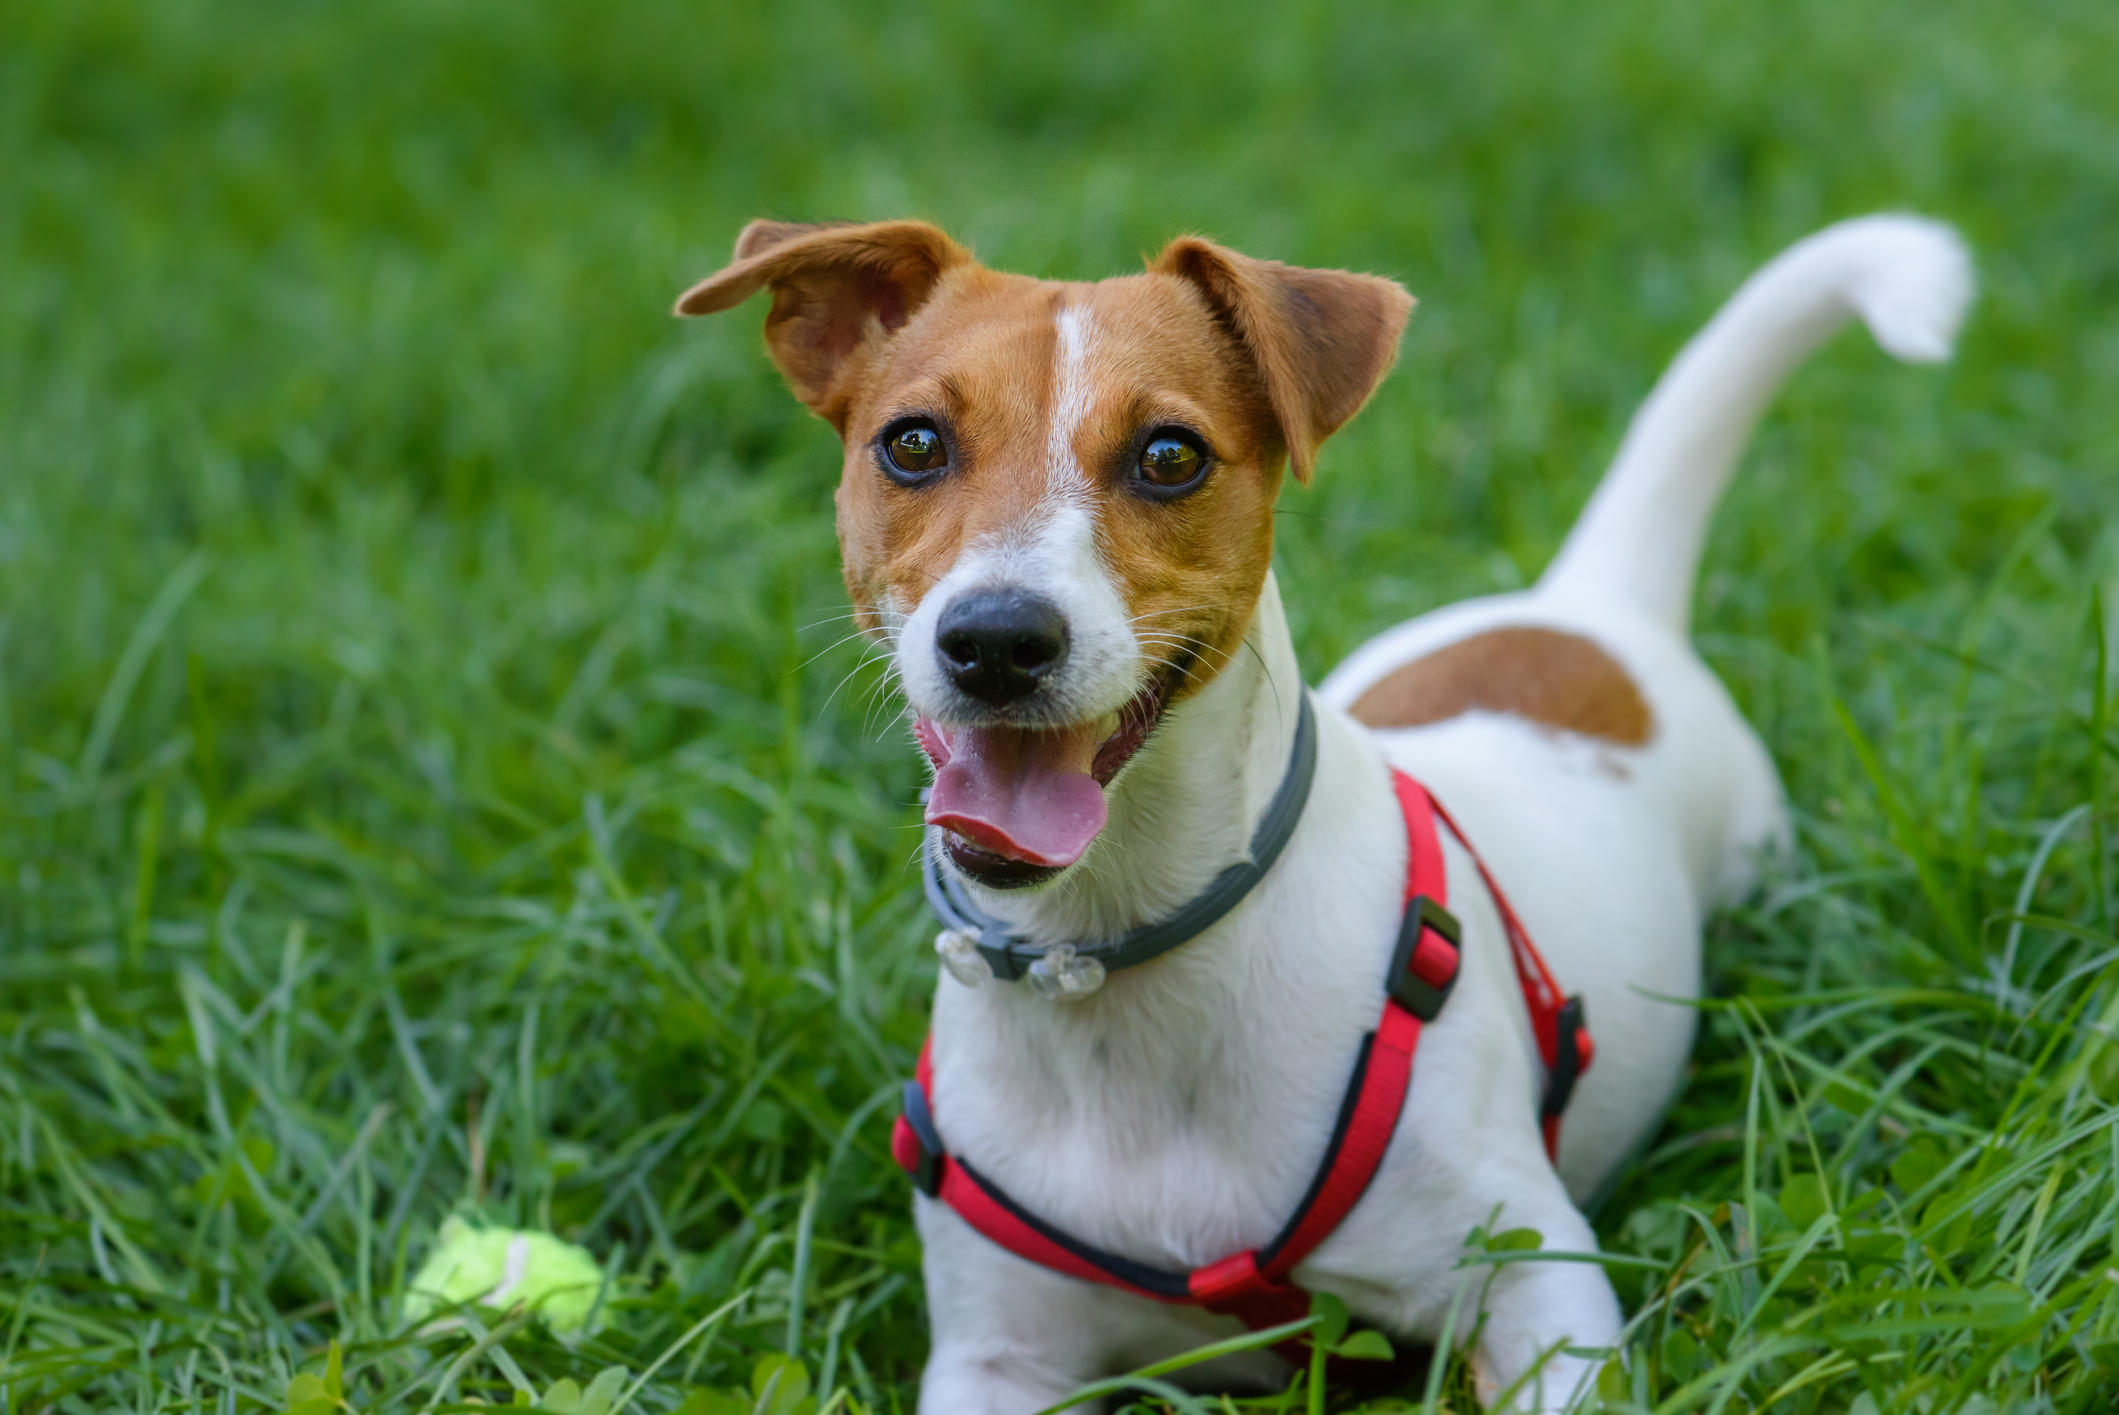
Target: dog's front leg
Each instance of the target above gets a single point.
(1536, 1312)
(1009, 1337)
(999, 1379)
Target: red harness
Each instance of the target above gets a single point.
(1254, 1285)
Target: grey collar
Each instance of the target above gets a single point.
(1011, 956)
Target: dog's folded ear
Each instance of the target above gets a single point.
(1321, 339)
(838, 290)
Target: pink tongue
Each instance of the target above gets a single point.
(1018, 792)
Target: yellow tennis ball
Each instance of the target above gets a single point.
(504, 1268)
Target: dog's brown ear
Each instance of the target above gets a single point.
(837, 291)
(1322, 339)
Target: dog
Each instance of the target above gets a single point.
(1056, 518)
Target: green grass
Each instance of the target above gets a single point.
(425, 785)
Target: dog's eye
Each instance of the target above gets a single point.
(915, 449)
(1170, 461)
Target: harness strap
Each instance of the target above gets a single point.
(1254, 1285)
(1556, 1020)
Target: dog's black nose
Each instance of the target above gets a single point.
(998, 645)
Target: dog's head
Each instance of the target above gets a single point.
(1057, 501)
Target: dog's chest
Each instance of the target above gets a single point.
(1175, 1122)
(1174, 1149)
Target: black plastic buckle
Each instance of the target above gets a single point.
(1008, 965)
(927, 1177)
(1566, 1059)
(1407, 988)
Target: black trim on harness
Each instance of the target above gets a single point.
(1159, 1281)
(1347, 1106)
(928, 1177)
(1568, 1024)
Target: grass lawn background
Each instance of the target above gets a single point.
(430, 784)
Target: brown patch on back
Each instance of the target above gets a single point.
(1546, 676)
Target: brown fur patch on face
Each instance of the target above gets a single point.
(1255, 361)
(1320, 340)
(983, 360)
(977, 361)
(1189, 568)
(1552, 678)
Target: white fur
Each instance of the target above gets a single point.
(1072, 389)
(1177, 1115)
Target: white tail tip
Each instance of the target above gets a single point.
(1907, 278)
(1915, 285)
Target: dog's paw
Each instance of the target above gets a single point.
(1562, 1384)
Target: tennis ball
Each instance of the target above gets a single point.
(506, 1267)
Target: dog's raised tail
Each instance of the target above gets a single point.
(1640, 537)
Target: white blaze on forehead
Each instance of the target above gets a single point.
(1053, 551)
(1070, 397)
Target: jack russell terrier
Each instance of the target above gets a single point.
(1193, 1059)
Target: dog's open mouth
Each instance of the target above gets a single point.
(1023, 803)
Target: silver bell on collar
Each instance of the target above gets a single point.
(959, 953)
(1062, 975)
